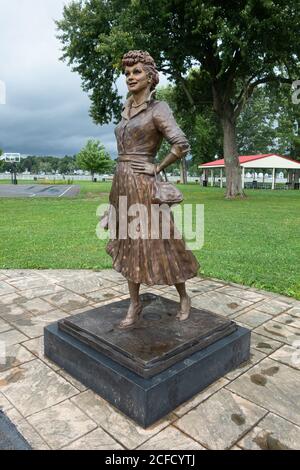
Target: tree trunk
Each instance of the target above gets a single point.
(296, 176)
(232, 165)
(226, 113)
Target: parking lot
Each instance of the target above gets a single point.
(38, 190)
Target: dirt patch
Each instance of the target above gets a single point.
(258, 379)
(233, 305)
(238, 419)
(270, 371)
(264, 346)
(12, 378)
(268, 442)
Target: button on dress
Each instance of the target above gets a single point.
(139, 136)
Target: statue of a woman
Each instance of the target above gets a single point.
(145, 122)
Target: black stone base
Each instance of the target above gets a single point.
(146, 400)
(155, 342)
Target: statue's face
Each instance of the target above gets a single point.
(136, 78)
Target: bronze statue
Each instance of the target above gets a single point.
(145, 122)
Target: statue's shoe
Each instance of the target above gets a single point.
(128, 322)
(183, 315)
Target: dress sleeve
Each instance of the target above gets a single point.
(165, 122)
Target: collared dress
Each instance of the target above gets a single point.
(146, 260)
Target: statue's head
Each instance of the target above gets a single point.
(140, 70)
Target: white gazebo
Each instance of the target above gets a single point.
(270, 161)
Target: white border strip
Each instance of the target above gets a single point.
(65, 191)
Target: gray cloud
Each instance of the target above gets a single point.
(46, 111)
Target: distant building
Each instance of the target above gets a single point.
(262, 162)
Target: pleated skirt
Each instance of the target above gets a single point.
(146, 261)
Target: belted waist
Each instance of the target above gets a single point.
(135, 157)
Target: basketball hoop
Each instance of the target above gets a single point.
(12, 159)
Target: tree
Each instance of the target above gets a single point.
(236, 45)
(256, 125)
(270, 122)
(94, 158)
(200, 126)
(45, 166)
(1, 161)
(67, 165)
(37, 164)
(28, 163)
(287, 115)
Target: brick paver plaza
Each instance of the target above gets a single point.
(256, 406)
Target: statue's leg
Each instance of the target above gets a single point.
(185, 302)
(135, 306)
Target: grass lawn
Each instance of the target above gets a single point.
(253, 241)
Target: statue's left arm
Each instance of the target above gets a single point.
(165, 122)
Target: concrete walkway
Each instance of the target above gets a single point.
(256, 406)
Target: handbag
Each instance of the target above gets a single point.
(164, 192)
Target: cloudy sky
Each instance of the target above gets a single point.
(46, 111)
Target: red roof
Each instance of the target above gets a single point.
(246, 158)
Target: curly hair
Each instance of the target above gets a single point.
(133, 57)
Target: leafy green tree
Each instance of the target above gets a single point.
(200, 125)
(256, 125)
(287, 115)
(36, 164)
(32, 164)
(94, 158)
(288, 125)
(27, 163)
(45, 166)
(1, 161)
(67, 165)
(236, 45)
(54, 163)
(270, 123)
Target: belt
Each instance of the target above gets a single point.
(135, 157)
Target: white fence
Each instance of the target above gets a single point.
(32, 177)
